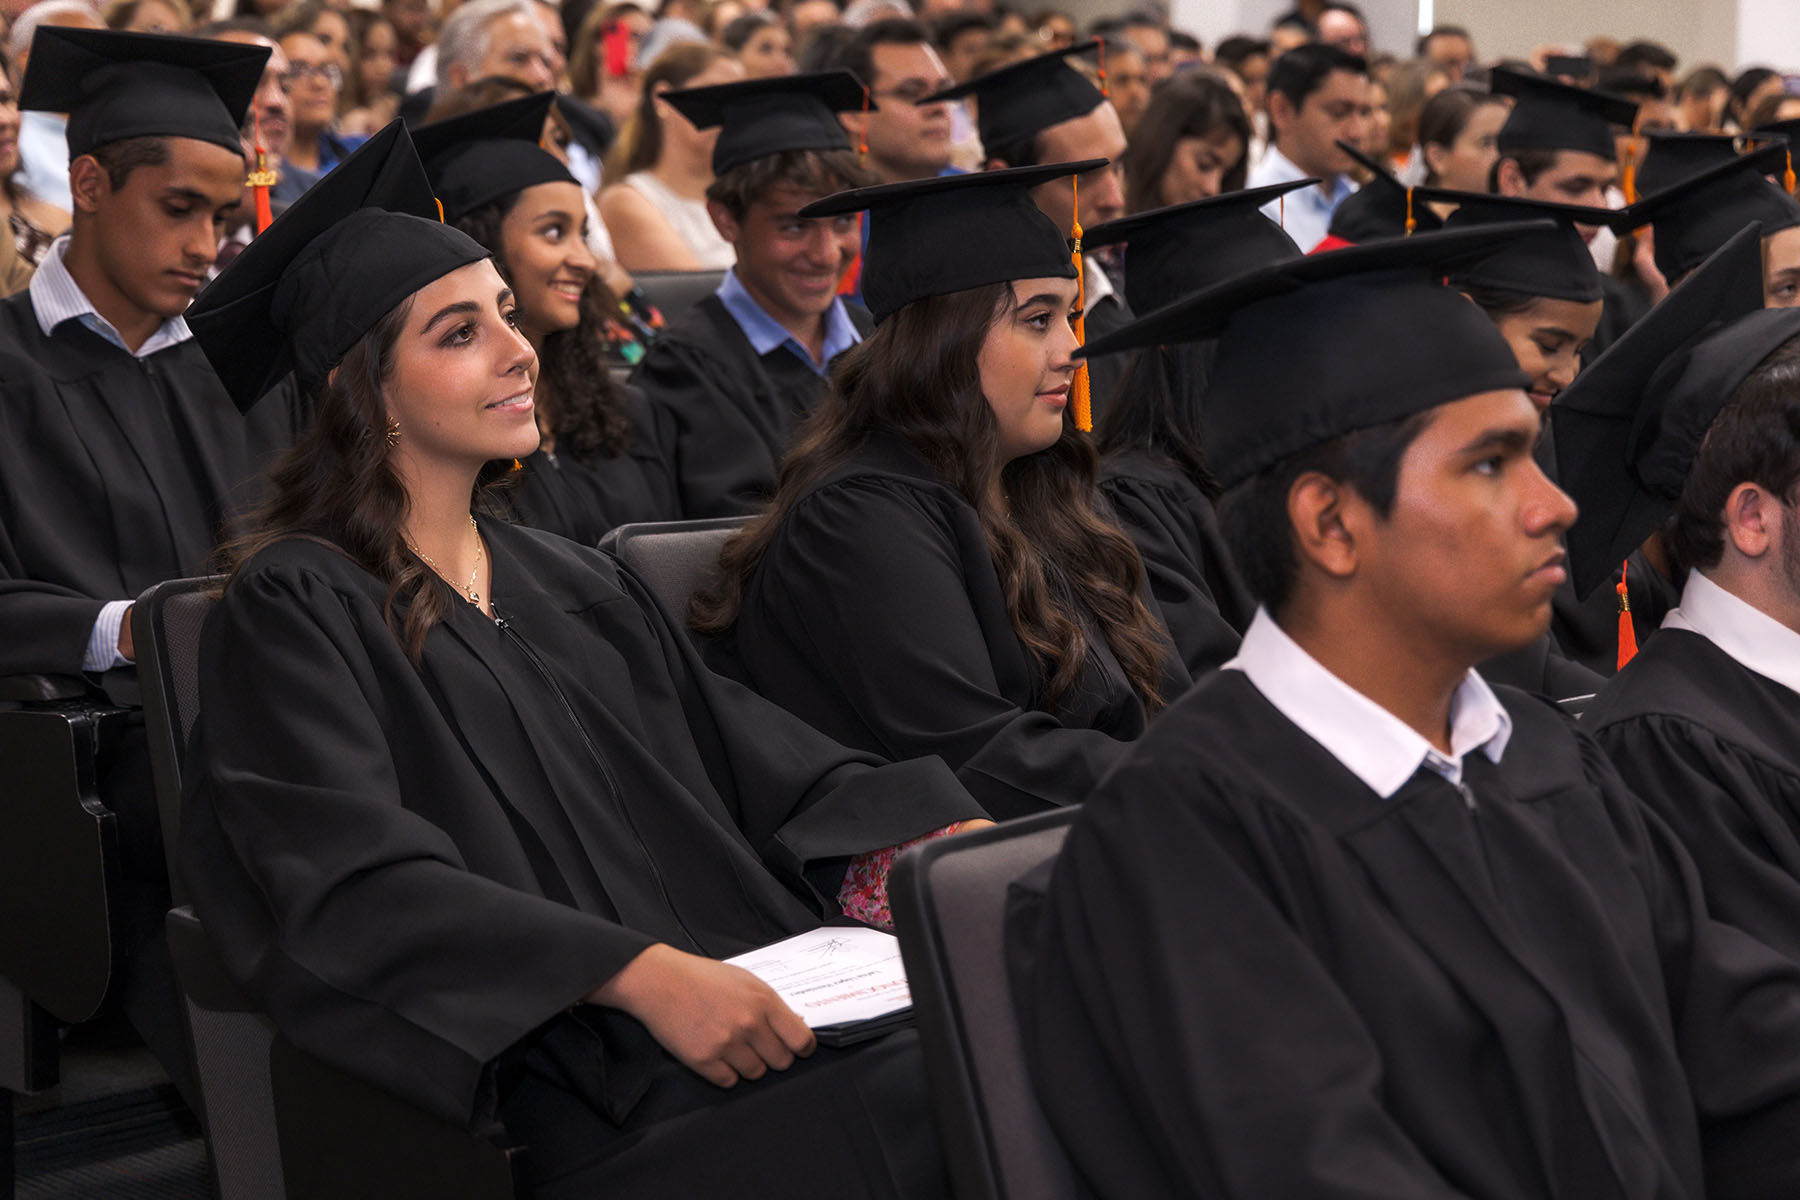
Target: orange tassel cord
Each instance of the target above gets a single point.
(1627, 633)
(1628, 171)
(1105, 92)
(1787, 176)
(862, 141)
(261, 179)
(1081, 400)
(1412, 222)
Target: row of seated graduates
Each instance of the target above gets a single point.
(1023, 777)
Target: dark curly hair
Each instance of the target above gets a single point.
(578, 403)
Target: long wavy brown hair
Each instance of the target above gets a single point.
(916, 378)
(338, 486)
(578, 403)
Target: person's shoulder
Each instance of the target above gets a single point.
(1142, 468)
(879, 476)
(1675, 674)
(706, 333)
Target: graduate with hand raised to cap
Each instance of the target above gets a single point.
(935, 575)
(1043, 110)
(729, 382)
(121, 456)
(1348, 922)
(1153, 468)
(466, 815)
(1686, 429)
(597, 465)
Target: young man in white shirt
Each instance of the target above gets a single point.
(1318, 96)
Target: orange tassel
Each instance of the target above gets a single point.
(1081, 398)
(1627, 634)
(261, 179)
(1628, 173)
(1787, 177)
(440, 205)
(862, 145)
(1412, 222)
(1281, 210)
(1105, 92)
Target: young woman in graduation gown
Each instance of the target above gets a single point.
(933, 575)
(466, 814)
(596, 465)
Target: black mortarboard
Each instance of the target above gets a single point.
(481, 156)
(1017, 102)
(1379, 208)
(1306, 349)
(1173, 252)
(932, 237)
(760, 117)
(1789, 129)
(1701, 213)
(127, 85)
(1550, 115)
(1672, 157)
(1627, 429)
(357, 243)
(1552, 262)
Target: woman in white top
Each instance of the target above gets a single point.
(656, 212)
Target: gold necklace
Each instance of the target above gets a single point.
(474, 596)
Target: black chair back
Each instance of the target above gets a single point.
(165, 626)
(675, 292)
(674, 559)
(949, 904)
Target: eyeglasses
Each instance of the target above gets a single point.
(299, 73)
(912, 91)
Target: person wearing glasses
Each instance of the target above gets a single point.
(313, 83)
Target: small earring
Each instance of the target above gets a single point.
(393, 432)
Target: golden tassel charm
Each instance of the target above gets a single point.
(260, 181)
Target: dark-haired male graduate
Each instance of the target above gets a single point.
(1691, 424)
(1043, 110)
(1346, 922)
(121, 456)
(729, 382)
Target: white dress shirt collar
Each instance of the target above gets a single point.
(1377, 747)
(1754, 639)
(56, 297)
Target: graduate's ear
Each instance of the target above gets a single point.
(1434, 158)
(1281, 112)
(723, 221)
(995, 164)
(89, 184)
(1755, 519)
(1317, 506)
(856, 124)
(1509, 180)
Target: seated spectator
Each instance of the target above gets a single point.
(313, 82)
(907, 138)
(31, 224)
(1185, 52)
(934, 576)
(761, 45)
(370, 100)
(1127, 83)
(1701, 98)
(471, 930)
(43, 171)
(269, 125)
(962, 40)
(1458, 129)
(1193, 142)
(147, 16)
(655, 206)
(606, 66)
(1450, 48)
(1459, 959)
(1053, 29)
(1343, 26)
(1749, 88)
(324, 22)
(594, 467)
(1318, 96)
(729, 382)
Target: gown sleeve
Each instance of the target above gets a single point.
(353, 918)
(806, 803)
(878, 631)
(1735, 1007)
(712, 471)
(1182, 1039)
(1177, 579)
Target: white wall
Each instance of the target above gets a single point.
(1728, 33)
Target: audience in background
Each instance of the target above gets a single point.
(369, 98)
(147, 16)
(1457, 129)
(1193, 142)
(31, 224)
(761, 43)
(1318, 96)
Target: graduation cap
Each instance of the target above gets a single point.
(1552, 262)
(1788, 129)
(1629, 426)
(760, 117)
(1306, 347)
(482, 156)
(1695, 217)
(127, 85)
(357, 243)
(1017, 102)
(1380, 208)
(1173, 252)
(1550, 115)
(1673, 157)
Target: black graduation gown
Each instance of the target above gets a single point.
(489, 836)
(722, 413)
(1249, 976)
(1714, 749)
(116, 473)
(1202, 600)
(583, 498)
(876, 615)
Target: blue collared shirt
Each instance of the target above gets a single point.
(56, 297)
(1305, 214)
(766, 333)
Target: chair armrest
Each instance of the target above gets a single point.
(41, 689)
